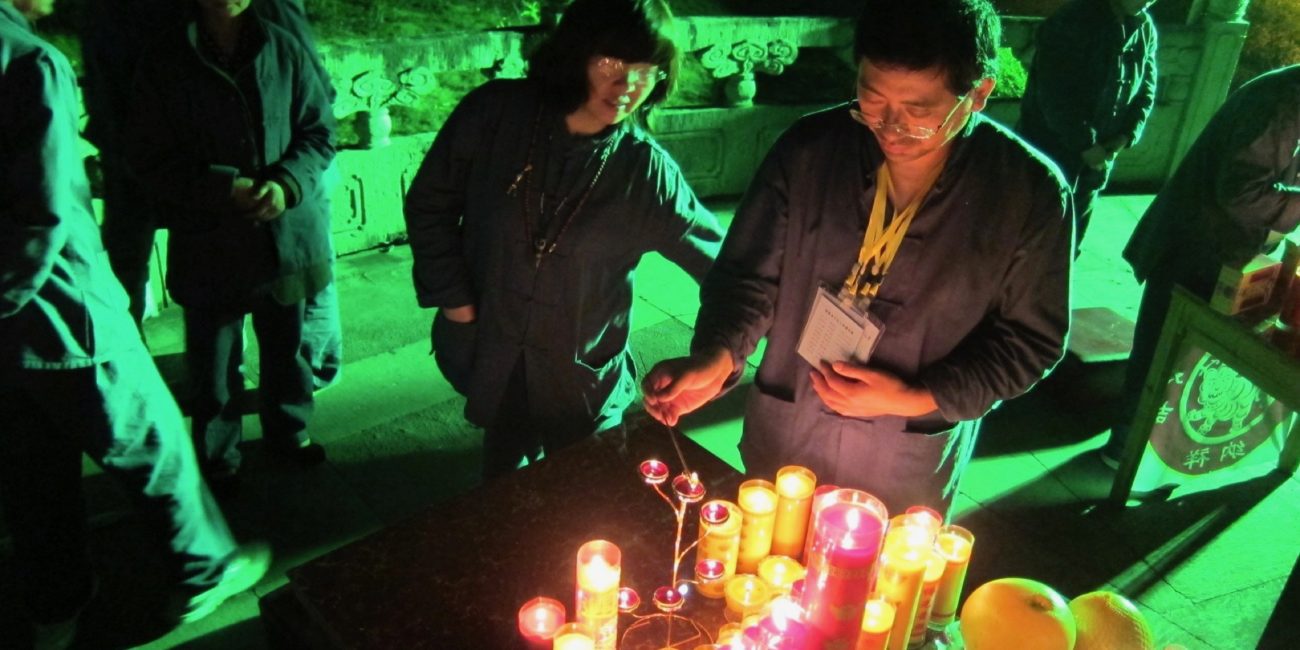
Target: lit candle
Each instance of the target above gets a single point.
(954, 544)
(877, 621)
(794, 490)
(780, 632)
(720, 523)
(599, 566)
(571, 636)
(840, 566)
(934, 566)
(757, 499)
(728, 632)
(538, 620)
(821, 498)
(901, 575)
(745, 595)
(929, 516)
(779, 572)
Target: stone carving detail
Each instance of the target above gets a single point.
(377, 92)
(738, 63)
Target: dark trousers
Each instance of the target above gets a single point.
(213, 341)
(1087, 185)
(518, 432)
(128, 232)
(121, 414)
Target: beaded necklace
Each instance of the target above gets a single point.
(541, 246)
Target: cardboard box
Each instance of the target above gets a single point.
(1246, 288)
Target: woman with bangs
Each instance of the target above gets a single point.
(527, 220)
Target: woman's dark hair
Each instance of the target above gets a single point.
(636, 31)
(959, 37)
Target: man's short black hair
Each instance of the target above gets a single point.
(959, 37)
(636, 31)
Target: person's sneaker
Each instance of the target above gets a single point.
(306, 453)
(244, 570)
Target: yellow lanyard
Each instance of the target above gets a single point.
(880, 245)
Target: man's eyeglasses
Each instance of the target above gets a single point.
(637, 74)
(899, 129)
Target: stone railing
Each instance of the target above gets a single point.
(720, 146)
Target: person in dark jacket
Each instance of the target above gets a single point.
(114, 36)
(1091, 87)
(527, 220)
(74, 374)
(1239, 182)
(232, 132)
(929, 227)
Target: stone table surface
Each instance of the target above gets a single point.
(455, 576)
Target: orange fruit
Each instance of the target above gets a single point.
(1109, 621)
(1017, 613)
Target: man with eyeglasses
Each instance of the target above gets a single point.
(1091, 88)
(925, 243)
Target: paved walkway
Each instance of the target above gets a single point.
(1206, 569)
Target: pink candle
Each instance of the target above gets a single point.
(844, 552)
(539, 618)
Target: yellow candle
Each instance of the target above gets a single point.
(779, 572)
(899, 578)
(728, 632)
(757, 499)
(571, 637)
(794, 489)
(599, 565)
(954, 544)
(877, 621)
(719, 541)
(934, 566)
(746, 595)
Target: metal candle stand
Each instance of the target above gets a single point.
(669, 600)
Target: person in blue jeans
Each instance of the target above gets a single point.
(232, 131)
(74, 373)
(114, 35)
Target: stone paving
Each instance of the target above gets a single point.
(1206, 569)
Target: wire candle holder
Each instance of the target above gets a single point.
(666, 621)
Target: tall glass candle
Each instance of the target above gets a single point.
(877, 621)
(746, 595)
(934, 566)
(794, 491)
(720, 522)
(599, 566)
(820, 499)
(757, 500)
(779, 572)
(954, 544)
(539, 618)
(840, 566)
(572, 636)
(901, 576)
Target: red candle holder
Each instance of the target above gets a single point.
(628, 600)
(539, 618)
(715, 514)
(668, 599)
(709, 570)
(654, 472)
(688, 488)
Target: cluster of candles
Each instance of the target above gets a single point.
(798, 566)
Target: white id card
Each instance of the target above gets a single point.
(835, 331)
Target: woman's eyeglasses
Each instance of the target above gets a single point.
(637, 74)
